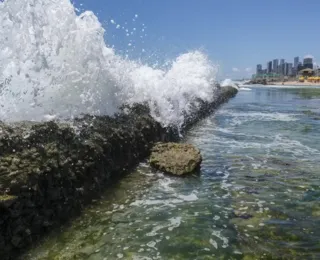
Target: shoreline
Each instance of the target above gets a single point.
(287, 83)
(294, 83)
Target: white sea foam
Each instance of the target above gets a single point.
(190, 197)
(276, 142)
(213, 243)
(56, 64)
(164, 184)
(239, 118)
(174, 223)
(168, 202)
(229, 82)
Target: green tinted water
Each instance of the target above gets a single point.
(257, 197)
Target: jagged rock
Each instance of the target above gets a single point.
(175, 158)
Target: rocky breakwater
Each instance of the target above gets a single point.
(258, 82)
(206, 108)
(50, 170)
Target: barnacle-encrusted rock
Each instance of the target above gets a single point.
(175, 158)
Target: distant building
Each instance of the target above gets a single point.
(286, 69)
(269, 67)
(316, 71)
(259, 69)
(290, 69)
(300, 67)
(308, 63)
(282, 67)
(275, 65)
(294, 71)
(296, 62)
(306, 72)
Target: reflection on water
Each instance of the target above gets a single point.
(257, 196)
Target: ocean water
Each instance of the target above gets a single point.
(57, 64)
(256, 197)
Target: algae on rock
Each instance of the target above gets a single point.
(175, 158)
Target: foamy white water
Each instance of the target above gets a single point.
(229, 82)
(56, 64)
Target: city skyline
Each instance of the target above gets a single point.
(282, 67)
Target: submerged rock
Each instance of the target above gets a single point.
(175, 158)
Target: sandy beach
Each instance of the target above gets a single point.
(294, 83)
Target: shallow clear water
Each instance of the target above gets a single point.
(257, 197)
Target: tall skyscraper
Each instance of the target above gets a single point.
(282, 67)
(259, 69)
(269, 67)
(275, 65)
(296, 62)
(290, 72)
(308, 62)
(286, 69)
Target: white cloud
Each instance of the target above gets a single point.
(248, 69)
(235, 69)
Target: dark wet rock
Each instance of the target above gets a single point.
(120, 218)
(251, 190)
(206, 108)
(259, 82)
(175, 158)
(279, 162)
(7, 200)
(243, 215)
(255, 178)
(311, 114)
(50, 170)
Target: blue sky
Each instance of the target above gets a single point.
(236, 34)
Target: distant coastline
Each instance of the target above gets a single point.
(293, 83)
(279, 83)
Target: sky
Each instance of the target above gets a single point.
(236, 34)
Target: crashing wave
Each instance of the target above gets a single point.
(56, 64)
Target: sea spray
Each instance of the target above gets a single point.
(229, 82)
(56, 64)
